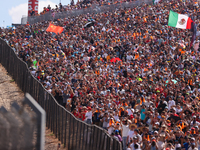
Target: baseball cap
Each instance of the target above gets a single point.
(178, 145)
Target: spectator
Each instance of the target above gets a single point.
(121, 65)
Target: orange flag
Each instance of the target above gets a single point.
(55, 29)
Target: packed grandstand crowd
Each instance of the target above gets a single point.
(126, 71)
(80, 4)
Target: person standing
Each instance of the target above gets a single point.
(130, 133)
(125, 131)
(88, 116)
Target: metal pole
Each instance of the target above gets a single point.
(41, 117)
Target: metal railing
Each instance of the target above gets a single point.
(93, 9)
(17, 130)
(73, 133)
(22, 129)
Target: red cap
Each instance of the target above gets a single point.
(154, 140)
(131, 116)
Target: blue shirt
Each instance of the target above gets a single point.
(186, 146)
(142, 114)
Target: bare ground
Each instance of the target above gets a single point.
(9, 92)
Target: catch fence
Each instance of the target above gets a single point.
(73, 133)
(73, 13)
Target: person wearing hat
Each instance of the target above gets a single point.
(193, 145)
(131, 133)
(178, 146)
(163, 128)
(161, 141)
(118, 135)
(196, 130)
(156, 127)
(88, 115)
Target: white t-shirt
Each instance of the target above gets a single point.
(130, 134)
(150, 125)
(86, 58)
(160, 145)
(193, 149)
(130, 112)
(196, 123)
(147, 103)
(178, 110)
(139, 138)
(133, 148)
(171, 103)
(33, 73)
(116, 117)
(88, 115)
(49, 90)
(125, 130)
(110, 130)
(129, 57)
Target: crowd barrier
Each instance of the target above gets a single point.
(73, 13)
(73, 133)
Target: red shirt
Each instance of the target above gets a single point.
(160, 89)
(117, 102)
(76, 114)
(82, 115)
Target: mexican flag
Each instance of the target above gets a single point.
(156, 1)
(179, 20)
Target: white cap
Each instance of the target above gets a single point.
(178, 145)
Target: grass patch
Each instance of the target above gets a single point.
(50, 134)
(12, 80)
